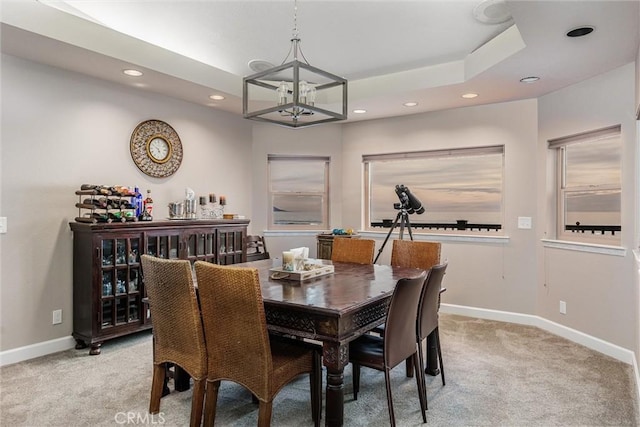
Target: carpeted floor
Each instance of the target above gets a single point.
(498, 374)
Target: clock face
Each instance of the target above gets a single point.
(156, 148)
(159, 149)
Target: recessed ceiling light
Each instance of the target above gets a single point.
(492, 12)
(359, 111)
(132, 73)
(469, 95)
(410, 104)
(529, 79)
(216, 97)
(580, 31)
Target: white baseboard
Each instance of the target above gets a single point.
(32, 351)
(604, 347)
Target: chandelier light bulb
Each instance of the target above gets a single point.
(303, 91)
(311, 96)
(283, 89)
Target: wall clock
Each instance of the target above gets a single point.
(156, 148)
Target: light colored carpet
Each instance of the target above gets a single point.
(498, 374)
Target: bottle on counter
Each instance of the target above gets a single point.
(148, 208)
(136, 201)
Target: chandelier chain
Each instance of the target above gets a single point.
(295, 39)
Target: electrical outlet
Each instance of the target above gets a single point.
(3, 224)
(57, 317)
(563, 307)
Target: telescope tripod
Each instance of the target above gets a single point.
(403, 219)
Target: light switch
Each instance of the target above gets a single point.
(3, 224)
(524, 222)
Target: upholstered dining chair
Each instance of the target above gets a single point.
(414, 254)
(239, 347)
(385, 352)
(178, 336)
(428, 318)
(359, 251)
(256, 248)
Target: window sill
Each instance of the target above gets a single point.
(484, 238)
(585, 247)
(285, 233)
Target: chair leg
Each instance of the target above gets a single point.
(440, 355)
(422, 374)
(211, 400)
(264, 414)
(356, 380)
(387, 382)
(409, 367)
(420, 383)
(157, 383)
(197, 400)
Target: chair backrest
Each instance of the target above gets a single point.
(177, 324)
(359, 251)
(415, 254)
(429, 301)
(235, 326)
(256, 248)
(400, 327)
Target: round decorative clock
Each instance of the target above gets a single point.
(156, 148)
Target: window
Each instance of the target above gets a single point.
(298, 192)
(460, 189)
(589, 185)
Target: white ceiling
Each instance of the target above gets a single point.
(429, 51)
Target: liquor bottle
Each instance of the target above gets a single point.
(148, 208)
(102, 202)
(136, 201)
(99, 189)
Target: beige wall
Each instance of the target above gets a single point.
(601, 291)
(60, 130)
(499, 275)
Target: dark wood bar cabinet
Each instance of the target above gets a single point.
(108, 285)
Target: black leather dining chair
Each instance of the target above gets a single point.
(383, 353)
(427, 321)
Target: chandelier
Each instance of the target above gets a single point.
(295, 93)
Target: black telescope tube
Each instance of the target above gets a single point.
(409, 201)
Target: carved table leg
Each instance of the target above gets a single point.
(165, 385)
(80, 344)
(335, 358)
(432, 356)
(181, 379)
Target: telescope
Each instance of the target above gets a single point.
(408, 201)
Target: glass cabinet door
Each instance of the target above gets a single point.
(201, 245)
(230, 245)
(120, 296)
(163, 245)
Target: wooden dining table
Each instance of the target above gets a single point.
(334, 309)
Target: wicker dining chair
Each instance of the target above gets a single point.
(240, 348)
(359, 251)
(415, 254)
(385, 352)
(428, 318)
(178, 336)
